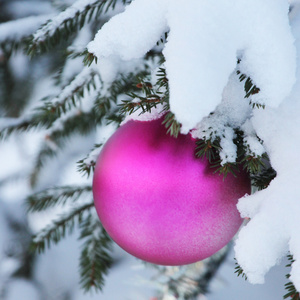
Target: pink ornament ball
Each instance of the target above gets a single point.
(158, 201)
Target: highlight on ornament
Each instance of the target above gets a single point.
(158, 201)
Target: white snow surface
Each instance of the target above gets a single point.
(274, 212)
(204, 42)
(20, 28)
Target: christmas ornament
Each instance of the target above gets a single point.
(158, 201)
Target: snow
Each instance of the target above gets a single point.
(131, 34)
(226, 284)
(58, 20)
(198, 66)
(274, 212)
(156, 113)
(18, 29)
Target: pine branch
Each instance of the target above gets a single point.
(71, 95)
(171, 124)
(54, 232)
(152, 97)
(250, 89)
(162, 81)
(9, 46)
(47, 114)
(208, 148)
(254, 164)
(144, 96)
(190, 281)
(87, 165)
(89, 58)
(15, 33)
(26, 123)
(292, 292)
(66, 23)
(81, 123)
(55, 196)
(145, 104)
(263, 179)
(226, 168)
(95, 259)
(239, 271)
(45, 153)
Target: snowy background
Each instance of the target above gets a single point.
(269, 56)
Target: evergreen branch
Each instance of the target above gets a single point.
(95, 259)
(54, 196)
(171, 124)
(87, 165)
(163, 39)
(250, 89)
(162, 81)
(208, 148)
(190, 281)
(254, 164)
(71, 94)
(80, 123)
(103, 105)
(256, 105)
(239, 271)
(47, 151)
(292, 292)
(15, 33)
(27, 123)
(226, 168)
(146, 104)
(54, 232)
(9, 46)
(121, 86)
(66, 23)
(147, 96)
(89, 58)
(263, 179)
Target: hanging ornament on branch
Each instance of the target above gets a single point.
(158, 201)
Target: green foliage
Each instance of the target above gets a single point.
(171, 124)
(250, 89)
(71, 95)
(262, 180)
(35, 120)
(9, 46)
(208, 148)
(144, 98)
(55, 196)
(239, 271)
(95, 259)
(292, 292)
(254, 164)
(81, 123)
(58, 229)
(150, 97)
(64, 25)
(87, 165)
(89, 58)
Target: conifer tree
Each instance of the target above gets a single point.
(90, 92)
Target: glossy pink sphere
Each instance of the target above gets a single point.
(158, 201)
